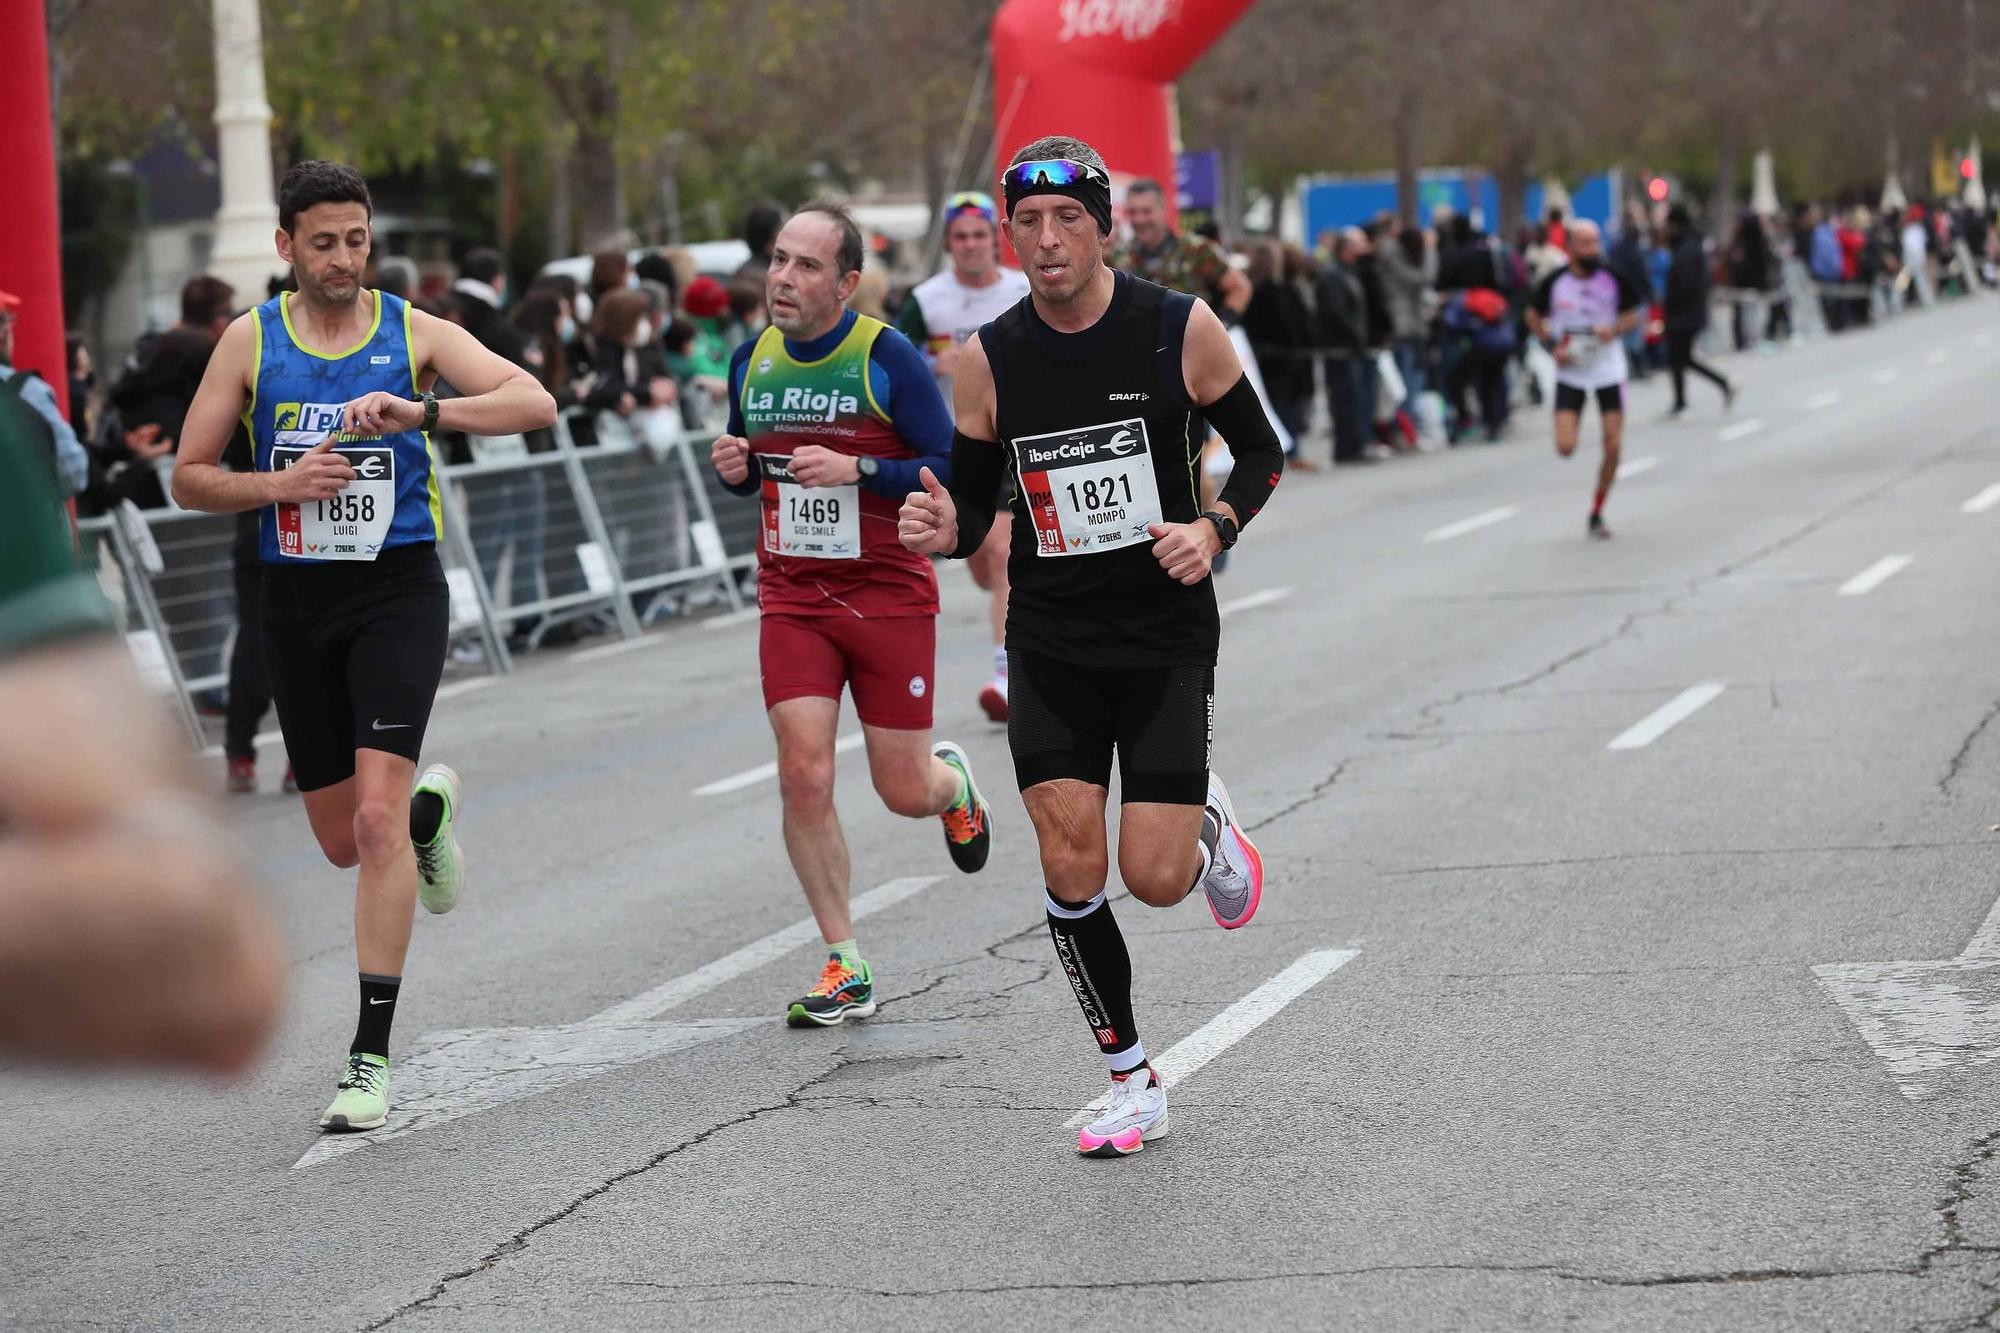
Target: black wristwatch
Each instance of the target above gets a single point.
(867, 467)
(1225, 526)
(430, 402)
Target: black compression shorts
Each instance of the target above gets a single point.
(1065, 720)
(1610, 398)
(355, 651)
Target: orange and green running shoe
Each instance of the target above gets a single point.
(843, 992)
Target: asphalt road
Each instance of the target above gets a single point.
(1528, 1033)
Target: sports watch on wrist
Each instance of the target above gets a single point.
(1225, 526)
(430, 402)
(867, 467)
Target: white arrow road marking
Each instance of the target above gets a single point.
(750, 777)
(1926, 1020)
(1473, 524)
(1983, 501)
(1877, 574)
(447, 1076)
(1233, 1024)
(1254, 600)
(1668, 716)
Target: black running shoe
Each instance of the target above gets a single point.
(842, 993)
(968, 825)
(1597, 528)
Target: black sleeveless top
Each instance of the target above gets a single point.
(1071, 408)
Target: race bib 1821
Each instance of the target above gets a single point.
(351, 525)
(808, 522)
(1091, 489)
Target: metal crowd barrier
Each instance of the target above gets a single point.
(618, 538)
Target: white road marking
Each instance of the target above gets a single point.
(1925, 1019)
(1740, 429)
(1254, 600)
(1938, 357)
(1885, 376)
(1668, 716)
(727, 619)
(750, 957)
(466, 687)
(1636, 467)
(447, 1076)
(1827, 399)
(1877, 574)
(750, 777)
(1983, 501)
(1186, 1057)
(1473, 524)
(615, 649)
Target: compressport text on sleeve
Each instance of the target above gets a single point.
(1238, 417)
(976, 469)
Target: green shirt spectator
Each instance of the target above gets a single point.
(43, 595)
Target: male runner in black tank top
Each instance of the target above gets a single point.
(1088, 392)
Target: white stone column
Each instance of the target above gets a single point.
(244, 255)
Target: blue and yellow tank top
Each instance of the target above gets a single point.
(296, 401)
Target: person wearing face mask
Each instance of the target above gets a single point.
(630, 364)
(1582, 312)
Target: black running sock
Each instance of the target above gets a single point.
(378, 1011)
(1092, 952)
(426, 813)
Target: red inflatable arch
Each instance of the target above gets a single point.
(30, 243)
(1103, 71)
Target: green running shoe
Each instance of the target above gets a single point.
(363, 1099)
(842, 993)
(440, 863)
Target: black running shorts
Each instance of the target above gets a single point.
(355, 650)
(1610, 398)
(1065, 720)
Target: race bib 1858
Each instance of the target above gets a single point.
(808, 522)
(353, 524)
(1089, 490)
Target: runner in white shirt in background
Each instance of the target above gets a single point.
(942, 312)
(1581, 313)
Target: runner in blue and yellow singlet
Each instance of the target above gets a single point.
(330, 382)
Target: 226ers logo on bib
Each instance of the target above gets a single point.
(351, 525)
(1091, 489)
(808, 522)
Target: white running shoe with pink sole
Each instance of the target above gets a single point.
(1234, 884)
(1135, 1115)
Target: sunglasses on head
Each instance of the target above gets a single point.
(1054, 171)
(971, 201)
